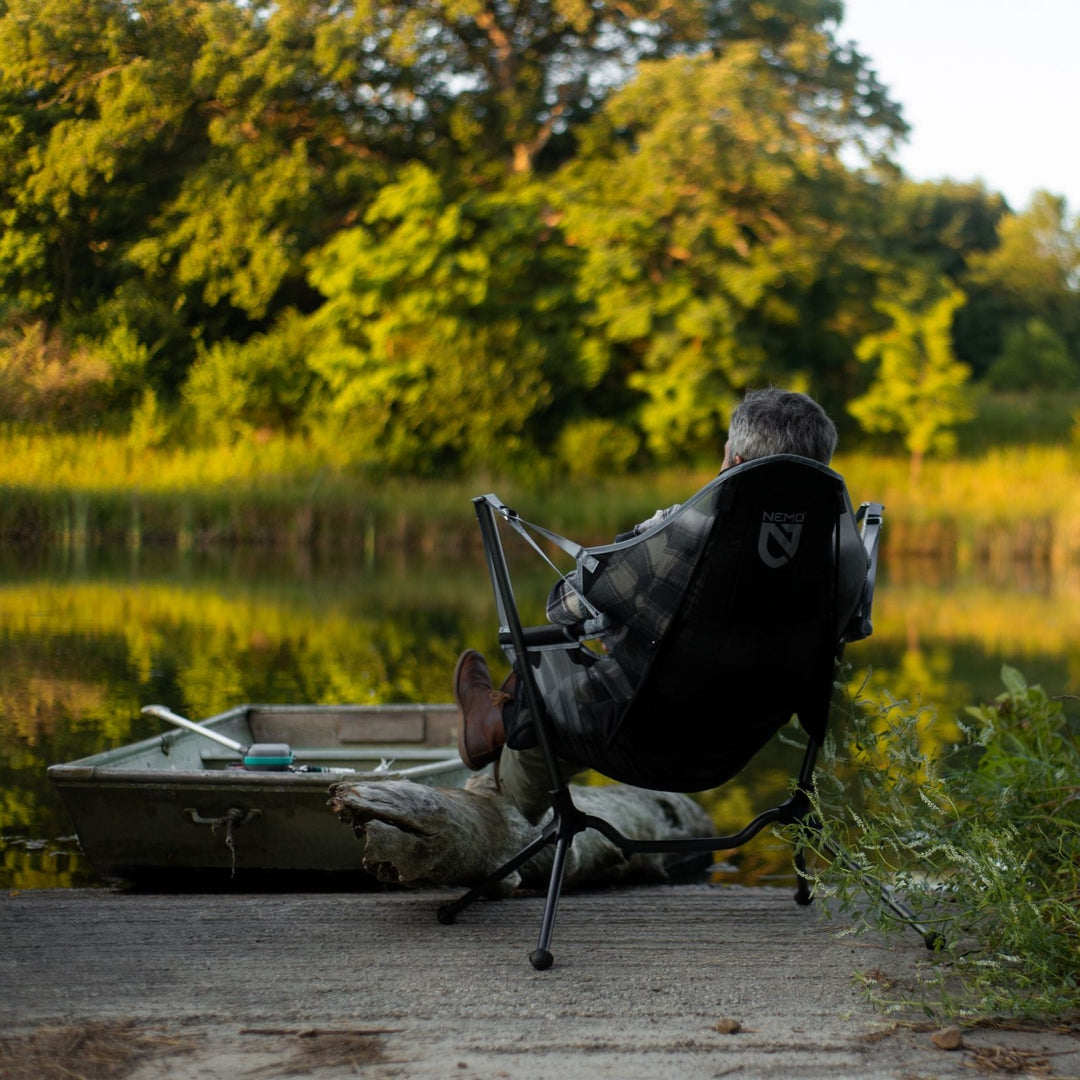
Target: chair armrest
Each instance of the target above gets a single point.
(548, 634)
(558, 633)
(868, 518)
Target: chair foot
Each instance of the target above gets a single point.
(447, 914)
(541, 959)
(804, 894)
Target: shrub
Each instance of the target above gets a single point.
(982, 840)
(43, 380)
(67, 382)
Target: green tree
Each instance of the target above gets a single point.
(919, 388)
(234, 389)
(167, 163)
(707, 205)
(92, 130)
(942, 227)
(698, 291)
(444, 327)
(1034, 356)
(219, 187)
(509, 81)
(941, 224)
(1034, 273)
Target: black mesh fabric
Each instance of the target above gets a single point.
(733, 610)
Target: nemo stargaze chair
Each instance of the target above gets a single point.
(732, 613)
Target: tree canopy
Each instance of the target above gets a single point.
(442, 234)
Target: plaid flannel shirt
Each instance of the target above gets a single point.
(639, 583)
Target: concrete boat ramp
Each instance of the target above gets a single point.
(684, 981)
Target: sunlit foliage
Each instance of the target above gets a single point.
(919, 390)
(980, 836)
(357, 223)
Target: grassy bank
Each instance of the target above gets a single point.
(1016, 503)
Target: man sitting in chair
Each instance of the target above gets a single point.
(494, 723)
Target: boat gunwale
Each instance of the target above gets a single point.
(227, 779)
(165, 740)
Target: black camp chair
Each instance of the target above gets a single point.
(734, 641)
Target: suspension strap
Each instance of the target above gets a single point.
(581, 555)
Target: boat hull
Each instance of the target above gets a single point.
(181, 804)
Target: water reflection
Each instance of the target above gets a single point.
(89, 637)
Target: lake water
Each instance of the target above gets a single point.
(88, 637)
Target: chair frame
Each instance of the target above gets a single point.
(567, 820)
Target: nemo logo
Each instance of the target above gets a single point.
(779, 537)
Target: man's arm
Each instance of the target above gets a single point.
(648, 523)
(564, 605)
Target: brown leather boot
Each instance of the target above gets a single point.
(482, 732)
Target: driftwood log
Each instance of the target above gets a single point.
(417, 835)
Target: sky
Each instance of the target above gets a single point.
(990, 88)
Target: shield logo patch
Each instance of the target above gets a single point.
(778, 542)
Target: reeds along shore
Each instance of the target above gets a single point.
(1049, 542)
(1013, 506)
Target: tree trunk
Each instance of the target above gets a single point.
(416, 835)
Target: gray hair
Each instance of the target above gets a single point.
(775, 421)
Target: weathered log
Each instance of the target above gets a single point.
(418, 835)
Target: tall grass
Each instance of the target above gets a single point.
(1006, 484)
(1010, 502)
(1015, 503)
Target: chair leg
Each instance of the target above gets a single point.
(565, 823)
(932, 939)
(804, 896)
(541, 957)
(447, 913)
